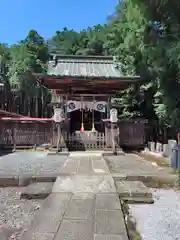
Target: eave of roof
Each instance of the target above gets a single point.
(80, 77)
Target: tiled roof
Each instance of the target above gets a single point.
(84, 66)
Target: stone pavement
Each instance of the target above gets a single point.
(83, 204)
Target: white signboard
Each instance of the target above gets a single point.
(76, 105)
(58, 114)
(113, 115)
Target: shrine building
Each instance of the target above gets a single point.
(82, 88)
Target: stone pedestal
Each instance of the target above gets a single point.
(165, 150)
(152, 146)
(159, 147)
(171, 144)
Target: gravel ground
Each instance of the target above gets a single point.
(133, 164)
(161, 220)
(15, 214)
(31, 163)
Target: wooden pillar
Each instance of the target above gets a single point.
(108, 108)
(36, 131)
(52, 134)
(107, 126)
(14, 136)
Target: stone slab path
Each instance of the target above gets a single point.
(83, 204)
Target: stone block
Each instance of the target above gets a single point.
(39, 236)
(165, 150)
(71, 166)
(107, 201)
(38, 190)
(25, 180)
(80, 209)
(110, 237)
(152, 146)
(76, 230)
(85, 184)
(45, 177)
(171, 144)
(85, 166)
(99, 166)
(83, 196)
(132, 189)
(158, 147)
(8, 181)
(119, 176)
(109, 222)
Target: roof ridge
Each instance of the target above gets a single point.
(85, 61)
(89, 57)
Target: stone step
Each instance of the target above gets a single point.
(84, 183)
(38, 190)
(84, 164)
(135, 189)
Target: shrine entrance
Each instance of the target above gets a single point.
(76, 121)
(92, 136)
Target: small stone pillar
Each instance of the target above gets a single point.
(114, 129)
(115, 137)
(107, 134)
(59, 117)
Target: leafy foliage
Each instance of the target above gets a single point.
(144, 35)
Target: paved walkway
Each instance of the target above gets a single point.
(83, 204)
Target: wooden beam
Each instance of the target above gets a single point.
(87, 95)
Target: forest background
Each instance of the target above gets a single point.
(144, 35)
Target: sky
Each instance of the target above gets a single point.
(17, 17)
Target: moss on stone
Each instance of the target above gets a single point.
(130, 223)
